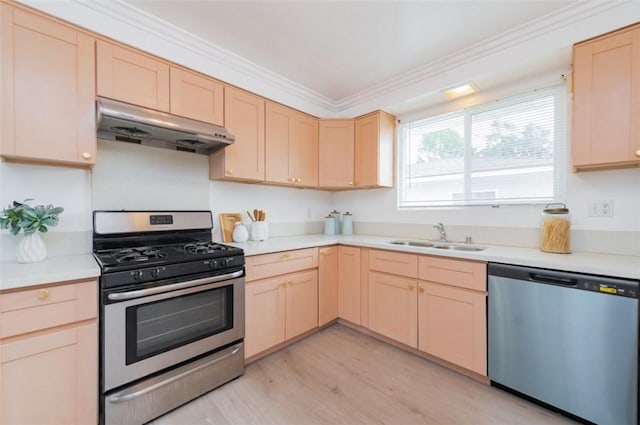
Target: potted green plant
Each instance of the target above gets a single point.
(32, 221)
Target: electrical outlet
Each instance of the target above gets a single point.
(602, 208)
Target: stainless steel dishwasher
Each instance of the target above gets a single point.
(568, 340)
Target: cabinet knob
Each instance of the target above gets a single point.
(283, 284)
(289, 282)
(421, 290)
(86, 155)
(638, 153)
(350, 183)
(229, 171)
(299, 180)
(284, 256)
(42, 294)
(411, 287)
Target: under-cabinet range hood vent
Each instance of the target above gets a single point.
(122, 122)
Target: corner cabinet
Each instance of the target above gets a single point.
(47, 93)
(291, 140)
(606, 100)
(49, 355)
(244, 159)
(336, 154)
(374, 150)
(327, 285)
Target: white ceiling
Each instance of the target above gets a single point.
(340, 48)
(343, 58)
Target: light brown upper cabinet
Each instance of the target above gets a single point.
(336, 154)
(244, 159)
(606, 100)
(374, 150)
(291, 141)
(132, 77)
(197, 97)
(47, 93)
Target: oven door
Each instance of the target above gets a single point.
(148, 330)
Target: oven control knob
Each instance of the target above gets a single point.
(137, 275)
(228, 261)
(213, 264)
(155, 272)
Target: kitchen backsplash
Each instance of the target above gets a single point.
(134, 177)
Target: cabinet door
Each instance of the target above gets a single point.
(48, 91)
(304, 150)
(349, 284)
(278, 139)
(302, 303)
(336, 154)
(374, 142)
(51, 378)
(264, 315)
(606, 100)
(244, 159)
(197, 97)
(453, 325)
(393, 307)
(328, 285)
(132, 77)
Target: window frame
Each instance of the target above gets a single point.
(561, 142)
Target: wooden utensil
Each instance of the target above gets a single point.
(250, 216)
(227, 223)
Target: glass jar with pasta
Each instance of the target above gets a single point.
(556, 229)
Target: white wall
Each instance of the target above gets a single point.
(69, 188)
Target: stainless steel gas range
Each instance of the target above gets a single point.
(171, 311)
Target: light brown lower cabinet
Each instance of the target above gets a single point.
(279, 308)
(452, 325)
(393, 309)
(349, 299)
(327, 285)
(442, 313)
(49, 355)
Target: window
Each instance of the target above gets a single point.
(505, 152)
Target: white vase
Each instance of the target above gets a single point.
(31, 249)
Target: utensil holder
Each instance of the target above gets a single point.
(259, 231)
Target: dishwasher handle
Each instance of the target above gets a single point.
(554, 280)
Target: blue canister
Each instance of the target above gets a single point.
(347, 224)
(329, 225)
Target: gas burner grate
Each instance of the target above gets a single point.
(202, 247)
(138, 254)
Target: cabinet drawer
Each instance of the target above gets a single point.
(46, 307)
(394, 263)
(267, 265)
(461, 273)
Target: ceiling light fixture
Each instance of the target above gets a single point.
(460, 91)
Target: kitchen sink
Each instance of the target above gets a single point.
(413, 243)
(454, 246)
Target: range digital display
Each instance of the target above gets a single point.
(160, 219)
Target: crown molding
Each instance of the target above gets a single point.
(568, 15)
(125, 23)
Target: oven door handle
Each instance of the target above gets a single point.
(122, 296)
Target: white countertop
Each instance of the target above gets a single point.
(601, 264)
(15, 275)
(58, 269)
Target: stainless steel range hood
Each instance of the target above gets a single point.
(122, 122)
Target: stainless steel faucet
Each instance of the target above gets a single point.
(443, 233)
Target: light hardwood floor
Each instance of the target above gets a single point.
(340, 376)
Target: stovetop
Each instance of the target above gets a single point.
(143, 256)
